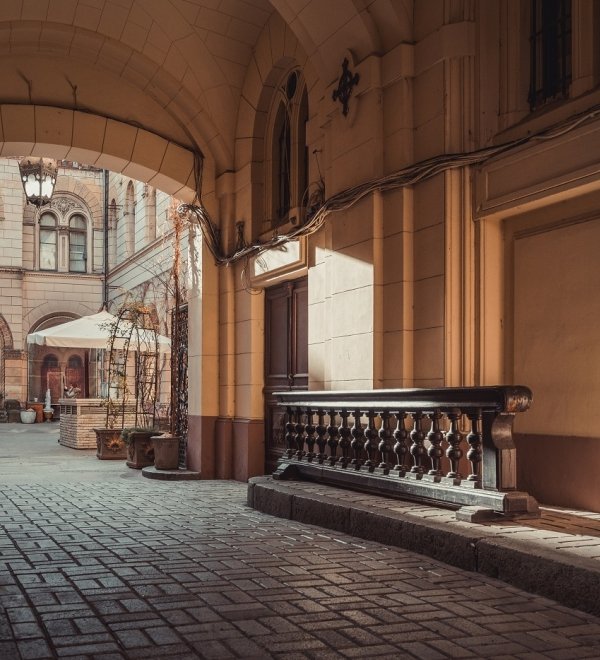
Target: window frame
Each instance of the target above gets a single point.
(286, 171)
(54, 231)
(551, 52)
(77, 232)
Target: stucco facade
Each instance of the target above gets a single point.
(472, 270)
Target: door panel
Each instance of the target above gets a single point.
(286, 357)
(300, 336)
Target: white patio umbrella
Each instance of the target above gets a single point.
(93, 332)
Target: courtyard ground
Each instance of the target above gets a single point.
(98, 562)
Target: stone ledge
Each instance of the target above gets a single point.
(151, 472)
(529, 563)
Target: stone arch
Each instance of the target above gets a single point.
(40, 323)
(6, 338)
(105, 143)
(81, 192)
(151, 88)
(38, 315)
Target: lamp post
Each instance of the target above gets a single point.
(38, 176)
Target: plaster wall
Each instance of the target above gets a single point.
(556, 316)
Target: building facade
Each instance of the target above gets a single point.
(52, 270)
(452, 143)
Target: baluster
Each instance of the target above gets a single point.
(417, 448)
(357, 440)
(474, 439)
(454, 438)
(332, 430)
(435, 437)
(384, 446)
(290, 427)
(310, 435)
(344, 432)
(321, 431)
(370, 445)
(299, 435)
(401, 445)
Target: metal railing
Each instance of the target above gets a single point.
(411, 443)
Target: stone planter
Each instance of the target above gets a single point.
(109, 445)
(140, 451)
(27, 416)
(166, 452)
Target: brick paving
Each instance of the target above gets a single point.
(100, 563)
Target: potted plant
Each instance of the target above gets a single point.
(140, 449)
(133, 383)
(109, 443)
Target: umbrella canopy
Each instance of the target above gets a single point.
(94, 332)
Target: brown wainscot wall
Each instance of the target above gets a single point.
(559, 470)
(248, 448)
(225, 448)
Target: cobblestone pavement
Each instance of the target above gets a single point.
(118, 566)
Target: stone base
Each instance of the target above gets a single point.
(79, 417)
(170, 475)
(479, 503)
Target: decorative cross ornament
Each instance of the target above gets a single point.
(345, 85)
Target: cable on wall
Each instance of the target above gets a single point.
(343, 200)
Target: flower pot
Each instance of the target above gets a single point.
(28, 416)
(109, 445)
(140, 451)
(166, 452)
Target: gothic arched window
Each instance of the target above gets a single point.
(130, 219)
(288, 177)
(151, 214)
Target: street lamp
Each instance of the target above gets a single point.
(38, 176)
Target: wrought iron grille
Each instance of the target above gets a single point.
(179, 379)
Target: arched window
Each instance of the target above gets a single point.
(288, 160)
(50, 378)
(74, 375)
(282, 156)
(151, 214)
(48, 242)
(77, 244)
(112, 224)
(130, 220)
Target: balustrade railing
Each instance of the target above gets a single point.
(451, 446)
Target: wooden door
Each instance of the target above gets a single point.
(286, 357)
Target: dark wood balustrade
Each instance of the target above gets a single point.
(412, 443)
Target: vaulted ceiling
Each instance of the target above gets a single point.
(174, 67)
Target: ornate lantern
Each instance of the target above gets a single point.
(38, 176)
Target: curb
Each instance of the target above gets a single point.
(571, 580)
(179, 474)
